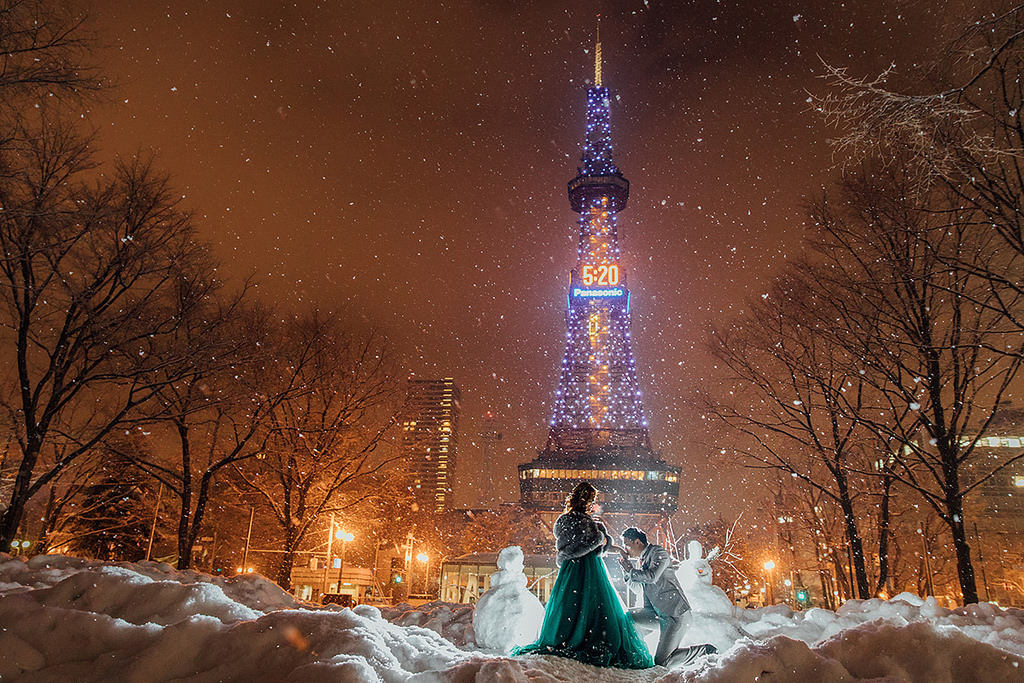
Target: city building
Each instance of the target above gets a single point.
(464, 579)
(994, 511)
(598, 431)
(430, 428)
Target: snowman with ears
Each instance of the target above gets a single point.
(714, 616)
(695, 577)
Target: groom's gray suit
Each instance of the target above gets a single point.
(665, 605)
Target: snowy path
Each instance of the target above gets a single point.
(67, 619)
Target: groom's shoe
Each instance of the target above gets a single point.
(686, 656)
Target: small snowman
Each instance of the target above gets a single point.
(507, 615)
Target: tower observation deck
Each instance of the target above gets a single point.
(598, 431)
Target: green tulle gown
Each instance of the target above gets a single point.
(584, 620)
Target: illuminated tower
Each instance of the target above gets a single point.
(598, 431)
(430, 429)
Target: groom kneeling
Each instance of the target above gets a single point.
(665, 606)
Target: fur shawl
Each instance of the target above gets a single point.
(577, 534)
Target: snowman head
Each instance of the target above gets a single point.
(510, 559)
(700, 565)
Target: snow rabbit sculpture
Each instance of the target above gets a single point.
(695, 576)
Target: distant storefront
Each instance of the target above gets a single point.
(464, 579)
(311, 582)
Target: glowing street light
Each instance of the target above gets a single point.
(425, 559)
(344, 537)
(768, 567)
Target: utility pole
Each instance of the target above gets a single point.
(981, 565)
(330, 552)
(927, 565)
(248, 537)
(152, 528)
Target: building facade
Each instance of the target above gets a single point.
(598, 431)
(430, 429)
(994, 511)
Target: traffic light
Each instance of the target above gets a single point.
(803, 597)
(397, 569)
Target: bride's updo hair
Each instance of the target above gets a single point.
(581, 498)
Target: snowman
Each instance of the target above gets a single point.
(507, 615)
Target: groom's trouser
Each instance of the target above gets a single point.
(672, 630)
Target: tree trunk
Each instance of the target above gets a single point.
(184, 547)
(883, 536)
(853, 537)
(284, 568)
(840, 575)
(19, 495)
(955, 519)
(964, 565)
(826, 589)
(193, 529)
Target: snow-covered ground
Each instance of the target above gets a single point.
(68, 619)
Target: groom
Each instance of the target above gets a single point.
(665, 606)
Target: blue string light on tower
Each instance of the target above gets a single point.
(598, 431)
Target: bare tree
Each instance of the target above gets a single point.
(86, 297)
(924, 343)
(324, 451)
(44, 47)
(218, 414)
(956, 125)
(795, 398)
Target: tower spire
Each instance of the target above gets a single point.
(597, 55)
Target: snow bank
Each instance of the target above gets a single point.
(64, 618)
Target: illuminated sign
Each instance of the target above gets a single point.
(597, 293)
(602, 276)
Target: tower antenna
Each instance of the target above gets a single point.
(597, 55)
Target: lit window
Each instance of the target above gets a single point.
(1018, 481)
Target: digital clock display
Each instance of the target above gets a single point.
(602, 276)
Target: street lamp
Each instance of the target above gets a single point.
(344, 537)
(424, 558)
(768, 567)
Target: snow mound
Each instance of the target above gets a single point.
(67, 619)
(452, 621)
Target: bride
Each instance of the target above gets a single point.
(584, 619)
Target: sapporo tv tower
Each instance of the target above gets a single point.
(598, 431)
